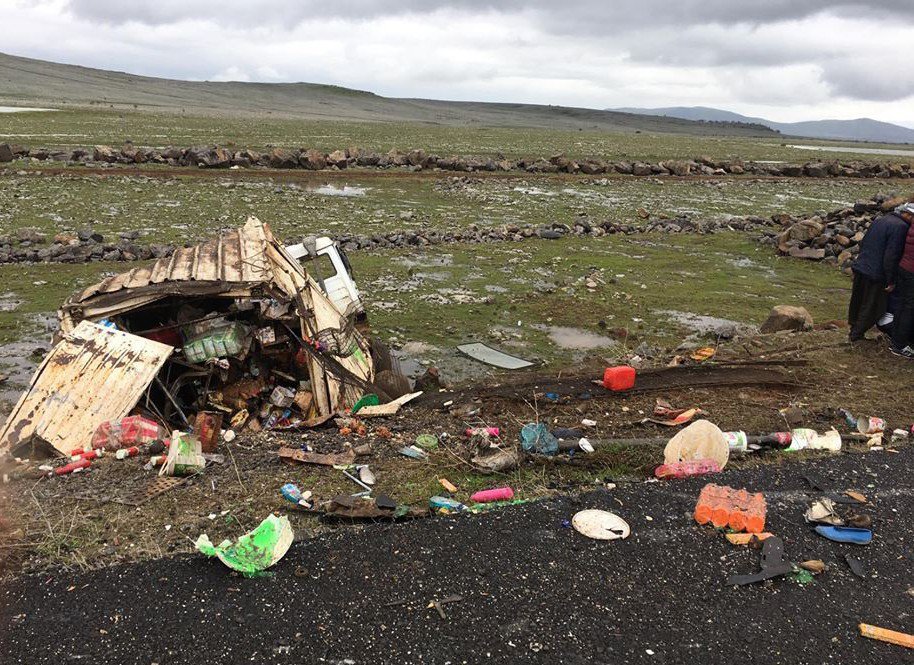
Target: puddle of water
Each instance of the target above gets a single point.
(19, 359)
(9, 302)
(864, 151)
(21, 109)
(700, 323)
(427, 261)
(434, 276)
(578, 339)
(336, 190)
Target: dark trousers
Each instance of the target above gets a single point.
(868, 300)
(903, 328)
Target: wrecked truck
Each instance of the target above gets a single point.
(235, 325)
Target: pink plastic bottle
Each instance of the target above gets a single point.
(685, 469)
(496, 494)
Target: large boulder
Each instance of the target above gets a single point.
(787, 317)
(209, 158)
(806, 230)
(338, 158)
(313, 160)
(280, 158)
(6, 152)
(104, 153)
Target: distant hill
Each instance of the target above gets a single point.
(861, 129)
(28, 82)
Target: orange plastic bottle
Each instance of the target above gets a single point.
(704, 505)
(755, 514)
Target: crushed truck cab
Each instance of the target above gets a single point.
(329, 266)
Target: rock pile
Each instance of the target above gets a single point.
(833, 237)
(215, 157)
(29, 245)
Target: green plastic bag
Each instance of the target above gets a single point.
(256, 550)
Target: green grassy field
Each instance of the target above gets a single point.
(86, 127)
(182, 209)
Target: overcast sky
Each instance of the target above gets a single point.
(782, 59)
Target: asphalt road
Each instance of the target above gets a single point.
(533, 590)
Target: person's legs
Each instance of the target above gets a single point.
(853, 309)
(903, 326)
(868, 301)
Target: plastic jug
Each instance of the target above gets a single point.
(619, 378)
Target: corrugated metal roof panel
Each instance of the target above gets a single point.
(236, 256)
(92, 375)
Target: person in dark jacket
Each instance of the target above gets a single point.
(875, 271)
(903, 326)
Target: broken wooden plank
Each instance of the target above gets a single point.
(388, 409)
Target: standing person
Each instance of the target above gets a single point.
(903, 326)
(875, 270)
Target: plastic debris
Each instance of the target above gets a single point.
(414, 452)
(427, 441)
(773, 564)
(126, 432)
(700, 440)
(445, 504)
(256, 550)
(600, 525)
(292, 494)
(366, 400)
(702, 354)
(619, 378)
(824, 512)
(846, 534)
(724, 506)
(536, 438)
(496, 494)
(665, 414)
(687, 469)
(185, 456)
(448, 485)
(747, 538)
(809, 439)
(366, 475)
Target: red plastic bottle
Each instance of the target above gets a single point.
(71, 467)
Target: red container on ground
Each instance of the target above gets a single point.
(619, 378)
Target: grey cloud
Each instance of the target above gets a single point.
(868, 78)
(588, 16)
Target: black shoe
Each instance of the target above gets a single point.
(906, 352)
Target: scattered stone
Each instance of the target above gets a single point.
(787, 317)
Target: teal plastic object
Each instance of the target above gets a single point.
(535, 438)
